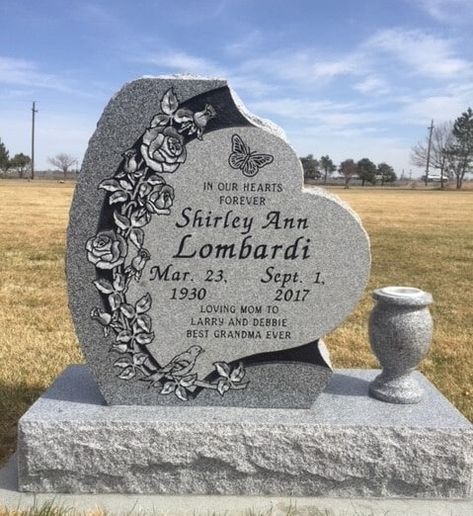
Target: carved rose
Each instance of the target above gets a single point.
(101, 316)
(130, 166)
(163, 149)
(106, 250)
(139, 261)
(160, 199)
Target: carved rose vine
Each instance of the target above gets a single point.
(136, 193)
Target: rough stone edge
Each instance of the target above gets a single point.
(257, 473)
(455, 443)
(185, 505)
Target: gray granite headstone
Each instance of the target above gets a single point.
(200, 271)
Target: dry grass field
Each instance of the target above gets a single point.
(419, 238)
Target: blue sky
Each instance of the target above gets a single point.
(348, 78)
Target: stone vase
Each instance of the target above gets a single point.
(400, 332)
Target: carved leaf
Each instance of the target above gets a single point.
(117, 197)
(119, 348)
(137, 236)
(238, 373)
(181, 393)
(184, 115)
(122, 362)
(155, 180)
(111, 185)
(188, 380)
(115, 301)
(144, 304)
(169, 102)
(139, 359)
(160, 119)
(144, 322)
(120, 220)
(139, 219)
(128, 311)
(128, 373)
(119, 282)
(124, 336)
(223, 369)
(144, 338)
(144, 190)
(223, 386)
(168, 388)
(125, 185)
(103, 286)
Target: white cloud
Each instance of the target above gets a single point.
(442, 107)
(21, 72)
(449, 11)
(244, 44)
(423, 53)
(251, 85)
(306, 66)
(349, 65)
(414, 52)
(324, 112)
(372, 85)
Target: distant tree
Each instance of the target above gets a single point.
(63, 162)
(311, 167)
(460, 152)
(442, 139)
(328, 166)
(386, 173)
(347, 169)
(4, 157)
(366, 171)
(20, 163)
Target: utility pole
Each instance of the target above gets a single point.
(430, 128)
(33, 112)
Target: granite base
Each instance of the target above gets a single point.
(346, 445)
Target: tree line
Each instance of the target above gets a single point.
(20, 164)
(447, 148)
(364, 169)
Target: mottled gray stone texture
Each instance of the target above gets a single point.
(346, 445)
(241, 237)
(400, 330)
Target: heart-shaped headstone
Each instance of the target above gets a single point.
(195, 254)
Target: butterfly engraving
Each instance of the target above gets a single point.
(248, 162)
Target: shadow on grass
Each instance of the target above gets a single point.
(14, 402)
